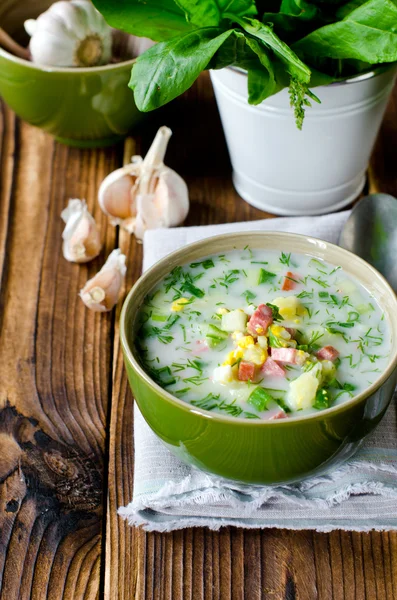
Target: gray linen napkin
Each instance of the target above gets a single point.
(361, 495)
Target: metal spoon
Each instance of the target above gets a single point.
(371, 232)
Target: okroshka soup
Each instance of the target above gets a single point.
(262, 334)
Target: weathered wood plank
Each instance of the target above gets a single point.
(55, 366)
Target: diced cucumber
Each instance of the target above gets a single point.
(364, 308)
(235, 320)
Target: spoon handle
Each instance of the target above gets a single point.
(12, 46)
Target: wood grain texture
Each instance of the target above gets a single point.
(66, 413)
(55, 365)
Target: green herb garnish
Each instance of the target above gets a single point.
(215, 336)
(206, 264)
(192, 289)
(208, 403)
(249, 296)
(275, 312)
(265, 276)
(260, 398)
(285, 258)
(319, 281)
(322, 400)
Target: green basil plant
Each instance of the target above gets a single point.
(289, 43)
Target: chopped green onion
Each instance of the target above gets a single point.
(322, 399)
(265, 276)
(260, 399)
(353, 316)
(159, 317)
(215, 335)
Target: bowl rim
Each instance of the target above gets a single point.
(355, 400)
(50, 69)
(375, 71)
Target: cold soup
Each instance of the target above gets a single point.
(262, 334)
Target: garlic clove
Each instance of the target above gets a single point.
(146, 194)
(115, 193)
(172, 197)
(81, 240)
(70, 34)
(102, 292)
(167, 207)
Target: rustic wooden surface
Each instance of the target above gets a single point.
(66, 414)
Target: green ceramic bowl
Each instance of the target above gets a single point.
(80, 107)
(245, 450)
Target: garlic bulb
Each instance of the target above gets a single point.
(145, 194)
(70, 34)
(102, 291)
(81, 241)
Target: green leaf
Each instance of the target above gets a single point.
(368, 33)
(292, 63)
(210, 13)
(251, 55)
(169, 68)
(261, 78)
(294, 15)
(158, 20)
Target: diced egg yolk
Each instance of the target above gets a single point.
(288, 306)
(232, 357)
(280, 332)
(301, 357)
(179, 304)
(255, 354)
(245, 341)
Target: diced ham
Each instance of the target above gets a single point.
(246, 371)
(279, 415)
(199, 347)
(271, 368)
(288, 284)
(260, 320)
(290, 356)
(328, 353)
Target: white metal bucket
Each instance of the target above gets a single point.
(280, 169)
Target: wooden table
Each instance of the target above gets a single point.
(66, 414)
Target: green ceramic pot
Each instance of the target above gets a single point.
(245, 450)
(80, 107)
